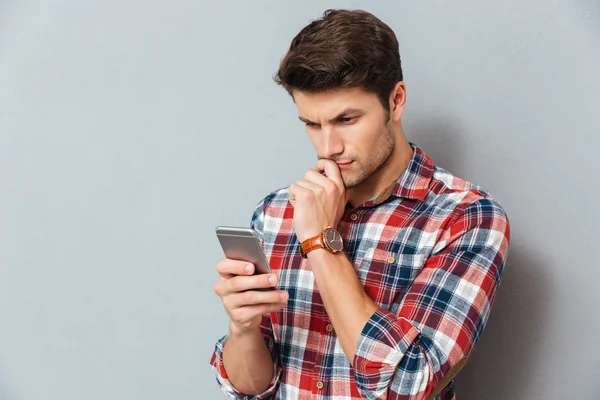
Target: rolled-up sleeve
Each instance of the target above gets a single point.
(404, 355)
(221, 374)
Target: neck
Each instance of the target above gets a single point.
(388, 173)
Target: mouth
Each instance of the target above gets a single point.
(344, 165)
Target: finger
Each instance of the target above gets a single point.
(313, 187)
(332, 171)
(317, 177)
(227, 268)
(243, 283)
(254, 297)
(295, 192)
(247, 313)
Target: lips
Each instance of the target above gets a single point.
(344, 164)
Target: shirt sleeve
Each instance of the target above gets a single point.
(266, 328)
(221, 375)
(403, 355)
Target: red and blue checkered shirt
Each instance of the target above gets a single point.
(429, 251)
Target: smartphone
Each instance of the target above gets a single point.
(243, 244)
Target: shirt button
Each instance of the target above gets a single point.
(391, 259)
(329, 328)
(320, 385)
(353, 217)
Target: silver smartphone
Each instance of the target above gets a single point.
(243, 244)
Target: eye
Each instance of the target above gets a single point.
(347, 120)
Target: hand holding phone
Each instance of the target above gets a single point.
(242, 244)
(243, 277)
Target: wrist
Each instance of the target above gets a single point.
(302, 237)
(236, 331)
(328, 239)
(322, 256)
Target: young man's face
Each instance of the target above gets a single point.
(350, 127)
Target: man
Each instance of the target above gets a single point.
(385, 266)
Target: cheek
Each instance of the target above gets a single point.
(362, 138)
(314, 138)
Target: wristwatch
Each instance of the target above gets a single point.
(329, 239)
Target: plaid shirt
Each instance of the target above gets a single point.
(429, 251)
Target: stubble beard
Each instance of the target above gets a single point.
(368, 167)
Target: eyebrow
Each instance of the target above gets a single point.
(343, 114)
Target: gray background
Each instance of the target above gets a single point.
(130, 129)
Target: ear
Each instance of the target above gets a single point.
(397, 101)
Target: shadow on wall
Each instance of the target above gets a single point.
(441, 137)
(509, 347)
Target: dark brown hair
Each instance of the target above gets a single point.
(343, 49)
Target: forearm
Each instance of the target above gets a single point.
(348, 306)
(248, 362)
(350, 310)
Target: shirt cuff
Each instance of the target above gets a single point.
(226, 386)
(383, 342)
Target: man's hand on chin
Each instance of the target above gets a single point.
(319, 199)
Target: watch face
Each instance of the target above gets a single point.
(334, 240)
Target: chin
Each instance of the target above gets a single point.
(351, 182)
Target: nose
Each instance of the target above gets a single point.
(331, 143)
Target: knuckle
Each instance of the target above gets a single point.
(217, 288)
(307, 195)
(246, 324)
(235, 315)
(248, 297)
(226, 302)
(235, 284)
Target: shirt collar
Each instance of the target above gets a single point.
(413, 182)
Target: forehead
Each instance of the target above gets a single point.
(330, 103)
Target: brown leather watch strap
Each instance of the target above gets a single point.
(310, 244)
